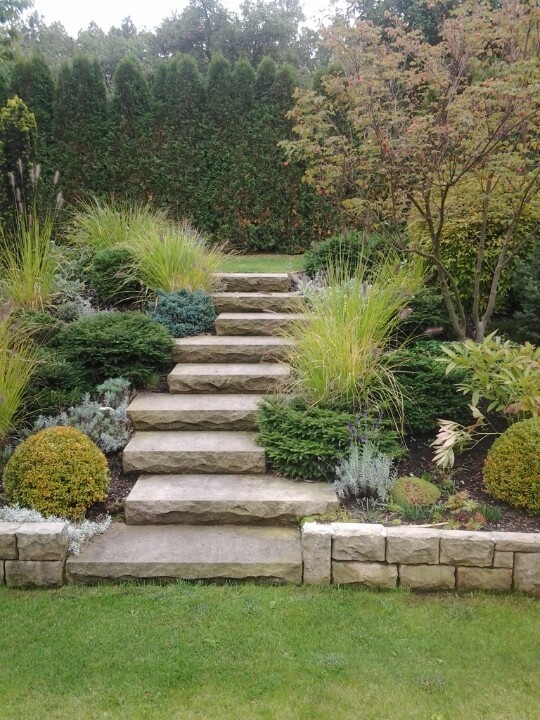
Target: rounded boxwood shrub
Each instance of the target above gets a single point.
(512, 466)
(57, 471)
(414, 491)
(110, 274)
(183, 313)
(429, 394)
(117, 344)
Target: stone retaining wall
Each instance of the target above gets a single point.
(33, 554)
(420, 558)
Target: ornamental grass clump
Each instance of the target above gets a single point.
(176, 257)
(57, 471)
(343, 351)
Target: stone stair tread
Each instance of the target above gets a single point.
(225, 498)
(233, 348)
(257, 301)
(232, 369)
(185, 411)
(256, 323)
(257, 282)
(262, 316)
(205, 451)
(190, 552)
(227, 377)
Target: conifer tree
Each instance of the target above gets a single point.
(82, 130)
(131, 123)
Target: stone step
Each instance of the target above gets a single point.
(256, 323)
(257, 302)
(253, 282)
(218, 499)
(227, 377)
(185, 451)
(161, 411)
(235, 349)
(189, 552)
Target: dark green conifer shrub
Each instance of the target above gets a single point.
(183, 313)
(110, 274)
(308, 442)
(429, 394)
(117, 344)
(344, 251)
(427, 317)
(57, 383)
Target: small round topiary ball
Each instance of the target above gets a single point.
(414, 491)
(57, 471)
(512, 466)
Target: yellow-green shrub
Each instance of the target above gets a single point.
(512, 466)
(57, 471)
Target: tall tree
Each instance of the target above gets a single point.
(408, 126)
(82, 130)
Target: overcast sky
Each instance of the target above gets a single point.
(74, 14)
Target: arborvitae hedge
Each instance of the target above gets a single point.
(206, 147)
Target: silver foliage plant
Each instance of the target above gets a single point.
(103, 418)
(79, 533)
(366, 474)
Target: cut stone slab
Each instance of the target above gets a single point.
(256, 323)
(225, 302)
(35, 573)
(8, 540)
(228, 377)
(361, 542)
(235, 499)
(317, 553)
(482, 578)
(207, 451)
(412, 546)
(527, 573)
(234, 349)
(366, 574)
(459, 547)
(427, 577)
(189, 552)
(516, 542)
(43, 541)
(253, 282)
(162, 411)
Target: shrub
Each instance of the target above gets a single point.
(512, 466)
(183, 313)
(526, 287)
(414, 491)
(504, 374)
(366, 474)
(308, 442)
(428, 392)
(176, 257)
(110, 274)
(57, 383)
(346, 249)
(426, 317)
(58, 471)
(41, 326)
(342, 353)
(103, 419)
(116, 344)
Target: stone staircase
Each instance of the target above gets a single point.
(204, 506)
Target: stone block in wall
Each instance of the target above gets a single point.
(317, 553)
(503, 559)
(365, 574)
(482, 578)
(358, 541)
(527, 572)
(412, 546)
(427, 577)
(459, 547)
(42, 541)
(8, 540)
(516, 542)
(34, 573)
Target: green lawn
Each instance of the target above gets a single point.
(280, 653)
(262, 263)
